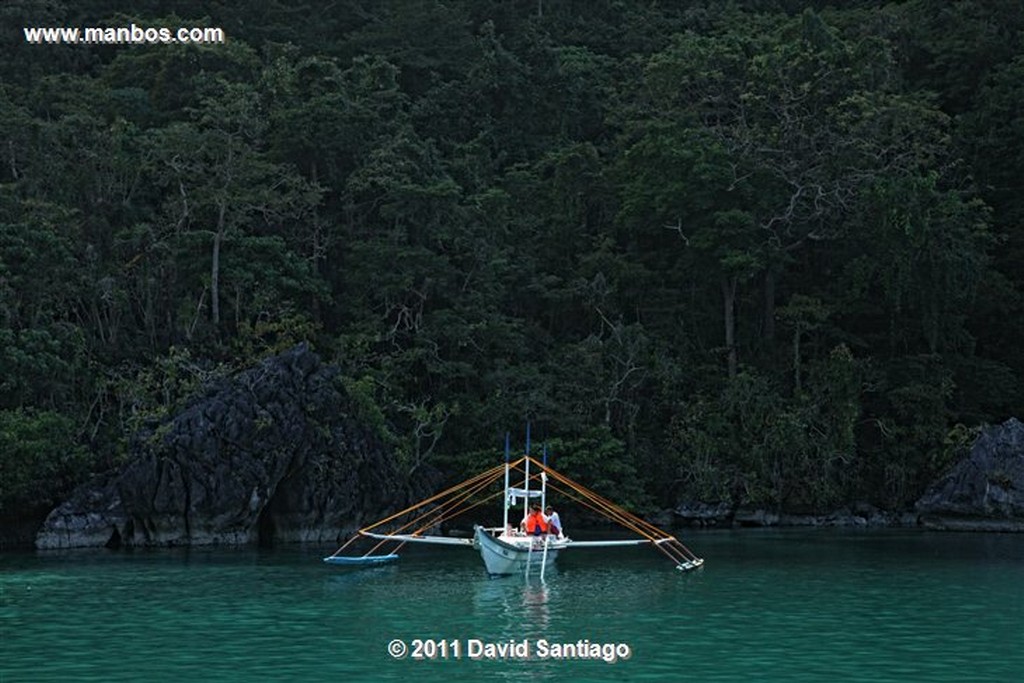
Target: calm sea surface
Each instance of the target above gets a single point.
(768, 606)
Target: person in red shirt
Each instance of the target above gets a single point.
(535, 522)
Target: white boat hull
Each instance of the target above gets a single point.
(511, 555)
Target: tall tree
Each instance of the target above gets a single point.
(221, 182)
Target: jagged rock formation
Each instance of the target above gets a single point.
(700, 514)
(276, 453)
(985, 491)
(728, 515)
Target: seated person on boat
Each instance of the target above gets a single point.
(535, 524)
(554, 522)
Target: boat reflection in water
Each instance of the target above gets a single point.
(535, 604)
(523, 607)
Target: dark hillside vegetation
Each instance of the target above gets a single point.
(763, 251)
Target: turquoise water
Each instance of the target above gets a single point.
(768, 606)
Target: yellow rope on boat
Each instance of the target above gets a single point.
(440, 515)
(499, 469)
(623, 516)
(487, 477)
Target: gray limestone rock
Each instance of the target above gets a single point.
(277, 453)
(985, 490)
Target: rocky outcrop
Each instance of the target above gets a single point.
(723, 514)
(274, 454)
(695, 513)
(985, 491)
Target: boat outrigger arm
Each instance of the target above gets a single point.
(508, 549)
(412, 538)
(451, 540)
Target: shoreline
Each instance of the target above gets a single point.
(950, 526)
(686, 517)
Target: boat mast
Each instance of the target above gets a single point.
(526, 484)
(544, 483)
(504, 525)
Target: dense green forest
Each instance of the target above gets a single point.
(762, 251)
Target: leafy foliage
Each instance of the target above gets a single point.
(735, 251)
(39, 459)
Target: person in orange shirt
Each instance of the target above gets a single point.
(535, 522)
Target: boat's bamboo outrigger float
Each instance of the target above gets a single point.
(507, 549)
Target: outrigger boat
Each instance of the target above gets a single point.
(506, 549)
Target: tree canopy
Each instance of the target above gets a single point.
(762, 252)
